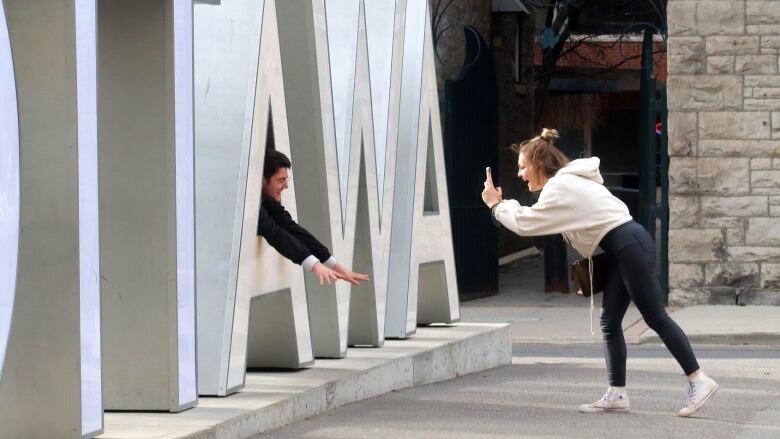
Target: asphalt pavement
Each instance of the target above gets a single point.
(537, 396)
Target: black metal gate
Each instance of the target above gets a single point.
(654, 160)
(470, 136)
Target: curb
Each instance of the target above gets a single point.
(747, 338)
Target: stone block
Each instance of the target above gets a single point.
(731, 274)
(747, 92)
(696, 245)
(696, 92)
(765, 191)
(775, 125)
(719, 18)
(686, 275)
(753, 104)
(720, 64)
(702, 296)
(735, 237)
(762, 12)
(723, 176)
(762, 29)
(759, 297)
(688, 296)
(680, 18)
(721, 296)
(682, 176)
(682, 133)
(765, 179)
(734, 125)
(774, 210)
(761, 163)
(733, 45)
(683, 212)
(722, 223)
(734, 206)
(686, 55)
(762, 81)
(738, 148)
(753, 254)
(776, 162)
(755, 64)
(770, 276)
(774, 201)
(766, 92)
(770, 42)
(763, 231)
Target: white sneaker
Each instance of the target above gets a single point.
(699, 391)
(612, 401)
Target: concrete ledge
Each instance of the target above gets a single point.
(274, 399)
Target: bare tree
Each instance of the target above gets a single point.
(566, 32)
(562, 16)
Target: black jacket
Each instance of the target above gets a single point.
(295, 243)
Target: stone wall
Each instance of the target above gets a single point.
(724, 143)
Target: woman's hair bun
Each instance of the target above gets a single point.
(549, 134)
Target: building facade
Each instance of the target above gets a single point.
(724, 146)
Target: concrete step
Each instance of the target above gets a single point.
(274, 399)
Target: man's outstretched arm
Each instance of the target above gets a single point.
(291, 248)
(285, 243)
(285, 220)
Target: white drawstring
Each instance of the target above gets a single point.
(590, 274)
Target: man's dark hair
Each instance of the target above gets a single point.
(273, 161)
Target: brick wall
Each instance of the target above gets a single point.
(724, 143)
(607, 53)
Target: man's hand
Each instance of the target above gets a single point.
(350, 276)
(491, 195)
(325, 274)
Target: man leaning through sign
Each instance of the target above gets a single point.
(295, 243)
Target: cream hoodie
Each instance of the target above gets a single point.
(574, 202)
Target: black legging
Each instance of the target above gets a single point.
(630, 276)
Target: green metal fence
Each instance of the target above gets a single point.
(654, 159)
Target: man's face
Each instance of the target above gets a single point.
(273, 187)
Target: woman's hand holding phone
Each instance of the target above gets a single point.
(491, 195)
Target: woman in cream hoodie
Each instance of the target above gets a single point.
(574, 202)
